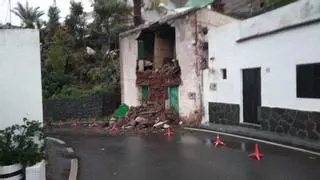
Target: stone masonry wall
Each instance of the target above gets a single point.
(303, 124)
(85, 107)
(221, 113)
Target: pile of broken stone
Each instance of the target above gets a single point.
(148, 116)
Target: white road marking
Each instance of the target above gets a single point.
(257, 140)
(74, 162)
(56, 140)
(73, 169)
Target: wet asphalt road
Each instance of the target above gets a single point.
(58, 166)
(185, 156)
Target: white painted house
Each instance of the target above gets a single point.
(20, 83)
(265, 71)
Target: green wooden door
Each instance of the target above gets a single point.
(145, 92)
(174, 97)
(140, 49)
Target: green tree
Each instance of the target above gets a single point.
(56, 58)
(111, 17)
(68, 69)
(52, 25)
(55, 63)
(29, 16)
(75, 23)
(54, 17)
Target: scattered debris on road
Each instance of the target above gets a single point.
(148, 116)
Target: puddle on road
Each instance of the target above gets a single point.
(312, 157)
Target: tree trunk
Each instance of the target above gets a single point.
(137, 18)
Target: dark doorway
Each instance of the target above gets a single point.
(251, 93)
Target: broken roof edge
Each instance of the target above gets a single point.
(221, 14)
(162, 20)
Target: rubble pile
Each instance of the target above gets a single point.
(170, 71)
(167, 74)
(148, 116)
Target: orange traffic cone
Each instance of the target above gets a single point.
(114, 128)
(94, 124)
(218, 141)
(74, 124)
(256, 153)
(61, 123)
(169, 132)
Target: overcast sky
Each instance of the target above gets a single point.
(43, 4)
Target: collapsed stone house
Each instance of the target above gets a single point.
(161, 62)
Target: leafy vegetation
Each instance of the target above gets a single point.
(80, 54)
(22, 144)
(30, 16)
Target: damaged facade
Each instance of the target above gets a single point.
(162, 62)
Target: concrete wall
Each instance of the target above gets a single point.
(277, 55)
(189, 58)
(212, 20)
(185, 51)
(20, 76)
(96, 105)
(128, 63)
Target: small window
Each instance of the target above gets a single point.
(224, 73)
(308, 80)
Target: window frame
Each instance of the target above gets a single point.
(224, 73)
(308, 83)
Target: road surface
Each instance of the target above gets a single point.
(185, 156)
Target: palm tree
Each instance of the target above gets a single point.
(29, 16)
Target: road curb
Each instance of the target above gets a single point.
(254, 139)
(263, 135)
(56, 140)
(74, 162)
